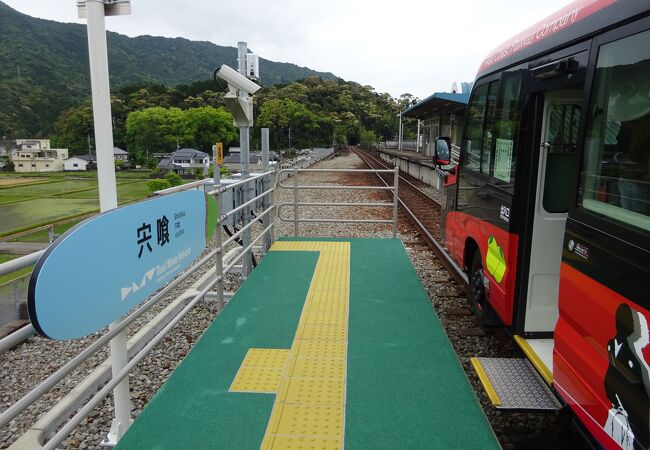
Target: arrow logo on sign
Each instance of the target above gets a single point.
(148, 276)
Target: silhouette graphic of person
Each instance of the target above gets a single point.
(627, 381)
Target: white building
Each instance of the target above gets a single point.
(120, 155)
(185, 161)
(35, 155)
(80, 162)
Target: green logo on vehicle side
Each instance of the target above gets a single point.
(495, 262)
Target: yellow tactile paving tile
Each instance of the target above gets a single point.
(310, 420)
(269, 358)
(260, 371)
(324, 332)
(319, 349)
(301, 443)
(309, 409)
(256, 380)
(321, 391)
(326, 318)
(316, 368)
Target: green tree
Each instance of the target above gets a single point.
(173, 179)
(207, 125)
(158, 185)
(160, 129)
(367, 137)
(73, 129)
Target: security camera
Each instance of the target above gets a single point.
(236, 80)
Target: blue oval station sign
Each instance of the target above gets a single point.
(105, 266)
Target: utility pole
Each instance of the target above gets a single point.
(289, 137)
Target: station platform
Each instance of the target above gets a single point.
(410, 155)
(329, 343)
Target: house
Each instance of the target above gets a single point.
(80, 162)
(35, 155)
(120, 155)
(185, 161)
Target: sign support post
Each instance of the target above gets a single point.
(218, 238)
(95, 12)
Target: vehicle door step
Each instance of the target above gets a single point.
(513, 384)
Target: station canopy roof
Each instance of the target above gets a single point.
(438, 103)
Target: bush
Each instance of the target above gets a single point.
(174, 179)
(158, 184)
(223, 171)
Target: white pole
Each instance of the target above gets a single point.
(417, 139)
(244, 140)
(266, 202)
(399, 140)
(98, 56)
(101, 95)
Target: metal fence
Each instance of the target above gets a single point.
(12, 294)
(296, 204)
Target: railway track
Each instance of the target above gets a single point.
(421, 209)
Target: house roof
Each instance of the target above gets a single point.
(438, 103)
(236, 159)
(119, 151)
(189, 153)
(165, 163)
(87, 158)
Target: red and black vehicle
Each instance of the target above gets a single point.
(548, 210)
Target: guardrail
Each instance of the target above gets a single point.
(296, 204)
(46, 432)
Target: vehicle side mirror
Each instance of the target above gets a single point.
(442, 154)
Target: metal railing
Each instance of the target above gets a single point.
(50, 436)
(296, 204)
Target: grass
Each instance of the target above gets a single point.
(13, 275)
(41, 211)
(4, 181)
(56, 197)
(44, 235)
(51, 189)
(123, 174)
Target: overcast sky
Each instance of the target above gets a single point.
(414, 46)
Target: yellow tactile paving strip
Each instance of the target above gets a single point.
(310, 378)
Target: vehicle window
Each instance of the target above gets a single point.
(506, 129)
(560, 147)
(488, 128)
(615, 174)
(474, 134)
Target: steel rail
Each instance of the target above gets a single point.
(433, 243)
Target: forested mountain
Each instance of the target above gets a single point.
(151, 118)
(44, 68)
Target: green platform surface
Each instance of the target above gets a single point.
(405, 386)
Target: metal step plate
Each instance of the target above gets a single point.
(513, 384)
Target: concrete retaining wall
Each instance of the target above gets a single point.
(422, 172)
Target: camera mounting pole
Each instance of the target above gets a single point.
(244, 143)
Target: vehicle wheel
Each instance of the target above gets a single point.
(477, 294)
